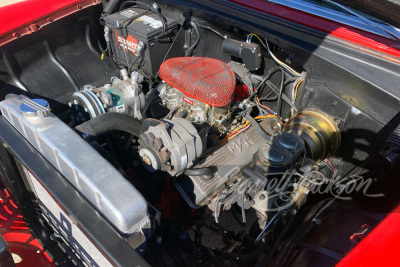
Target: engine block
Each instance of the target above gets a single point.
(227, 162)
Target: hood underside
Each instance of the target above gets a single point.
(386, 10)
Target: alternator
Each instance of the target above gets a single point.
(169, 145)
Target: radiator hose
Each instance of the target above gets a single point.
(198, 172)
(109, 8)
(111, 121)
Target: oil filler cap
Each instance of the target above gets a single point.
(34, 108)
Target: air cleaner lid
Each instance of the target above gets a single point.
(208, 80)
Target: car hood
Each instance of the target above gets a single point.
(385, 10)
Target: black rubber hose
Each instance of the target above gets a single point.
(272, 71)
(394, 139)
(133, 62)
(171, 113)
(258, 128)
(199, 172)
(295, 243)
(250, 173)
(149, 100)
(110, 55)
(267, 260)
(183, 114)
(280, 95)
(148, 7)
(191, 49)
(111, 121)
(284, 97)
(109, 8)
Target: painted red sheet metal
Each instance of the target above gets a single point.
(380, 247)
(29, 16)
(336, 29)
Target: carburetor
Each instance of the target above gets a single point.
(175, 100)
(197, 88)
(194, 110)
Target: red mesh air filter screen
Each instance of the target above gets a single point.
(208, 80)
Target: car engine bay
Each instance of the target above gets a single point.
(201, 135)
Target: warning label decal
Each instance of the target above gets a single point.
(129, 43)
